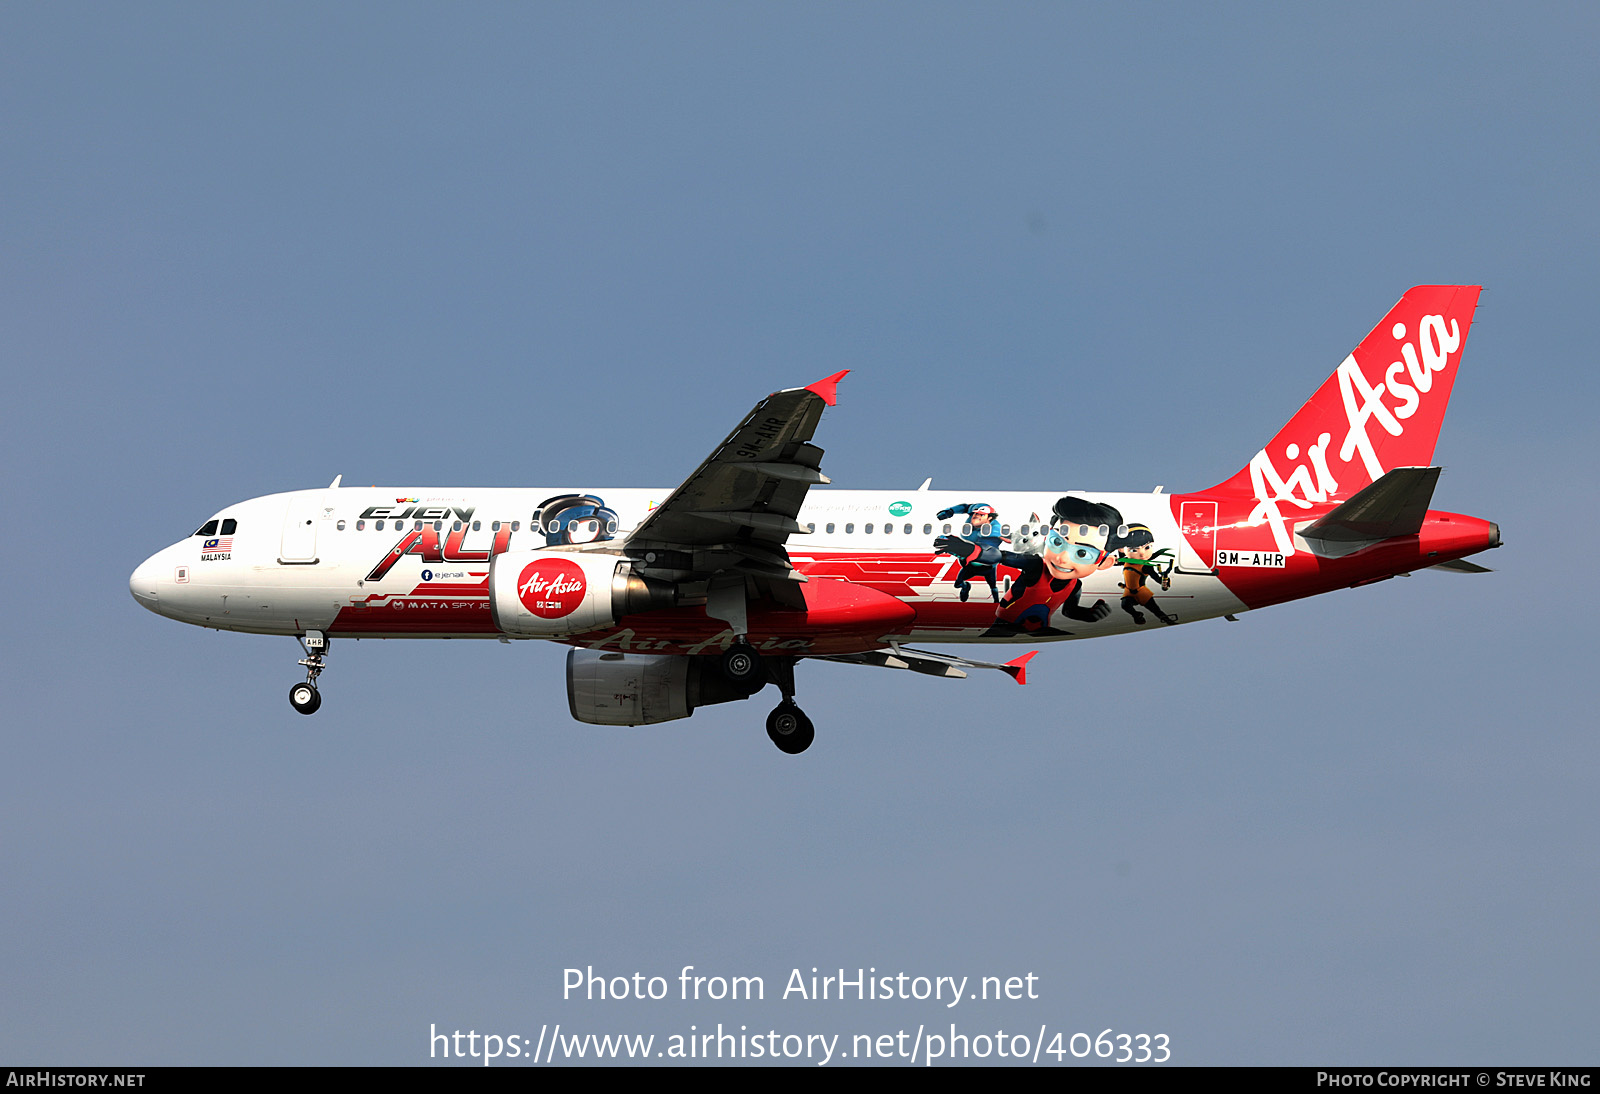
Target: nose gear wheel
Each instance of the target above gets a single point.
(305, 698)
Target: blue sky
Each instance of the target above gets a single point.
(1061, 246)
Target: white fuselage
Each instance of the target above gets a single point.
(307, 560)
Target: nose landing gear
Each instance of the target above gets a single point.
(305, 697)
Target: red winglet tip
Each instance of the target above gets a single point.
(828, 390)
(1018, 667)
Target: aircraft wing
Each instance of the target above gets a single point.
(930, 663)
(734, 514)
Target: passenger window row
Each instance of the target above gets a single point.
(438, 525)
(477, 525)
(888, 529)
(228, 526)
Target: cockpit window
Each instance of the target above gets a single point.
(209, 528)
(230, 526)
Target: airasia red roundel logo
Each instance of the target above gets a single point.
(551, 587)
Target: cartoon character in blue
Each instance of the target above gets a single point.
(986, 536)
(574, 518)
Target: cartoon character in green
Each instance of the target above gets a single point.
(1140, 562)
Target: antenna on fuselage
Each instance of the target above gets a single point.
(334, 485)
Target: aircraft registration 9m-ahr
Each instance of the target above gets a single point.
(677, 599)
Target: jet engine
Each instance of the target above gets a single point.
(552, 594)
(606, 688)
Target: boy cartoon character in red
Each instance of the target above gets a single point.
(1081, 540)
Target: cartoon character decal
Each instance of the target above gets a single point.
(574, 518)
(1082, 539)
(1140, 561)
(985, 524)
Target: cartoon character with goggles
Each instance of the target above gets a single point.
(985, 522)
(1081, 540)
(574, 518)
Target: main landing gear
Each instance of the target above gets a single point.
(742, 665)
(305, 697)
(787, 725)
(789, 728)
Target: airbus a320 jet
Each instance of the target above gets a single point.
(677, 599)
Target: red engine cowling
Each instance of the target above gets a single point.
(553, 594)
(605, 688)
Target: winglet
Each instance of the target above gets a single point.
(1018, 667)
(828, 390)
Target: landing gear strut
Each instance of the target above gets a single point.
(788, 725)
(305, 697)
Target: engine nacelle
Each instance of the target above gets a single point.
(605, 688)
(553, 594)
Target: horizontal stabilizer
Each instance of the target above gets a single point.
(1394, 505)
(1462, 566)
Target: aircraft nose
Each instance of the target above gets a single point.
(143, 582)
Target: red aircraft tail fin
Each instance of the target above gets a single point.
(1381, 408)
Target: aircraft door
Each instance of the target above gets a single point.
(299, 546)
(1197, 549)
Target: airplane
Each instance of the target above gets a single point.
(671, 600)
